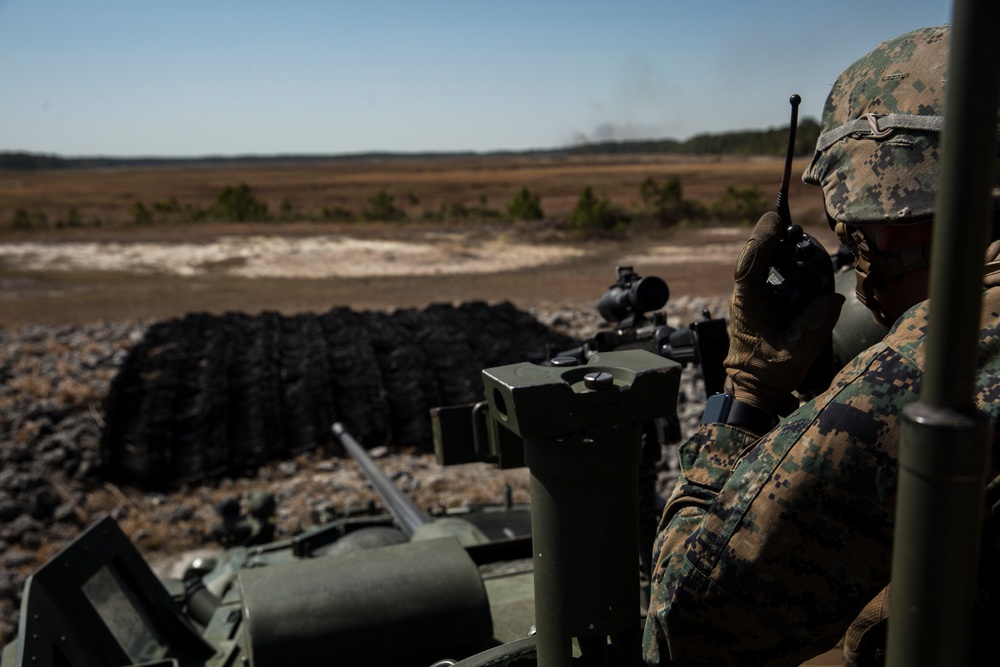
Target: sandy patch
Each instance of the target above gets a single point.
(276, 256)
(707, 253)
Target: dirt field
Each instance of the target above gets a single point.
(118, 271)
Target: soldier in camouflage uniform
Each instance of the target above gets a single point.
(779, 532)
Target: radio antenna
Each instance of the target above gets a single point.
(783, 211)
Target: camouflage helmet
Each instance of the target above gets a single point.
(878, 155)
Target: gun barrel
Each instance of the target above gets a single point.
(407, 514)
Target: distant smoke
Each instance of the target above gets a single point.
(615, 132)
(643, 98)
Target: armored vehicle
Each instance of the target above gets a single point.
(399, 588)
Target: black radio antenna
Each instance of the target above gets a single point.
(783, 211)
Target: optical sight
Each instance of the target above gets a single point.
(632, 295)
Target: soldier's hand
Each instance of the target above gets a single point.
(767, 362)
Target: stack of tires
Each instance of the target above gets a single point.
(212, 395)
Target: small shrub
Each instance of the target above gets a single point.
(336, 214)
(526, 205)
(596, 215)
(382, 207)
(236, 204)
(195, 214)
(141, 215)
(485, 213)
(665, 202)
(168, 206)
(741, 205)
(23, 219)
(73, 218)
(669, 194)
(455, 212)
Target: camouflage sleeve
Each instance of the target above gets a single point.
(767, 550)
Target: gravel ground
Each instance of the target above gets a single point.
(53, 381)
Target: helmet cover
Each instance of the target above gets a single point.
(878, 155)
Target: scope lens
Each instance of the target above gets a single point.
(649, 293)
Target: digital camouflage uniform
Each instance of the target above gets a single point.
(769, 548)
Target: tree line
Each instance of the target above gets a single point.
(772, 141)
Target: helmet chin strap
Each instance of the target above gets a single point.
(992, 276)
(873, 266)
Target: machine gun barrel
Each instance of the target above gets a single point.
(407, 514)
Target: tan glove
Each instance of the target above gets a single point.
(766, 364)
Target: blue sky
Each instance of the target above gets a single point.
(221, 77)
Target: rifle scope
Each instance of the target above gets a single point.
(632, 295)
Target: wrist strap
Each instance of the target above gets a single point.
(724, 409)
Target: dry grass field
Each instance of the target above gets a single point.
(693, 260)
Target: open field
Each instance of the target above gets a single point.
(419, 184)
(121, 271)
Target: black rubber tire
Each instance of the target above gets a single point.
(210, 395)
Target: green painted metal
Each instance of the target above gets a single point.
(405, 511)
(944, 446)
(392, 605)
(585, 534)
(99, 603)
(582, 444)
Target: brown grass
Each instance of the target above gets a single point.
(106, 194)
(57, 297)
